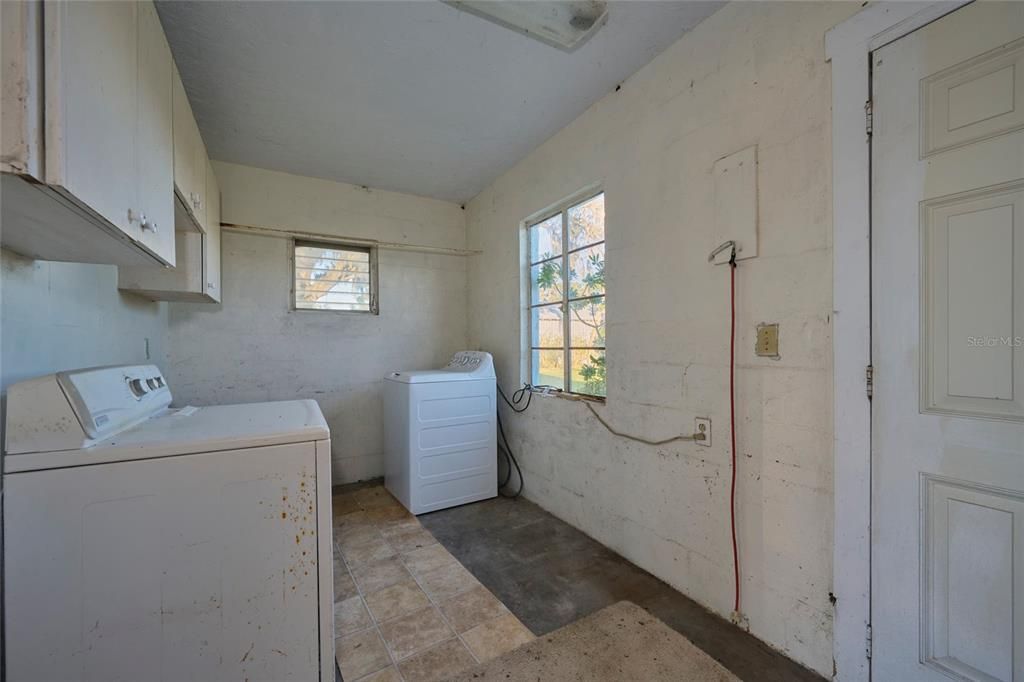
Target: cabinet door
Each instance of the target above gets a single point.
(211, 243)
(21, 62)
(201, 161)
(189, 156)
(91, 105)
(154, 137)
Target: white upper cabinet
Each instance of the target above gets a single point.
(189, 156)
(196, 276)
(21, 63)
(91, 104)
(98, 90)
(211, 244)
(154, 142)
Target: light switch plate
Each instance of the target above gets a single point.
(702, 425)
(767, 345)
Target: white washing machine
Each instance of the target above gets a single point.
(148, 543)
(440, 434)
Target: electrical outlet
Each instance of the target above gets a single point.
(767, 341)
(702, 425)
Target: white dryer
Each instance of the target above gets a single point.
(440, 434)
(143, 542)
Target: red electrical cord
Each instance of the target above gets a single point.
(732, 414)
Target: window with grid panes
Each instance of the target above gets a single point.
(335, 277)
(567, 298)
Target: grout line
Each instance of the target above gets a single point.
(437, 605)
(362, 598)
(401, 556)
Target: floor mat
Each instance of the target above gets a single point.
(620, 642)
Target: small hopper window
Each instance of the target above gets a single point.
(335, 277)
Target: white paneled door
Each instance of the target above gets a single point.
(948, 349)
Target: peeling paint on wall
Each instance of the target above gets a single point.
(750, 74)
(253, 347)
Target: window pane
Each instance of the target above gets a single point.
(586, 323)
(546, 238)
(546, 282)
(586, 272)
(332, 278)
(547, 329)
(548, 368)
(586, 222)
(588, 372)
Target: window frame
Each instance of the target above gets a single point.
(374, 308)
(562, 208)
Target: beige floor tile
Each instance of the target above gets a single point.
(411, 540)
(389, 674)
(351, 616)
(400, 525)
(361, 654)
(375, 497)
(397, 600)
(344, 586)
(447, 581)
(355, 535)
(496, 637)
(379, 574)
(344, 504)
(351, 526)
(471, 608)
(374, 549)
(439, 663)
(415, 632)
(353, 520)
(427, 559)
(385, 517)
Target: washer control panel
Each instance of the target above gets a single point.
(475, 362)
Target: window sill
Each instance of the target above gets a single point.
(564, 395)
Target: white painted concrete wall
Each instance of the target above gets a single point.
(751, 73)
(57, 316)
(252, 347)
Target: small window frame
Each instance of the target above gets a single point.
(374, 308)
(561, 208)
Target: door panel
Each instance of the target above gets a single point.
(973, 100)
(971, 256)
(948, 349)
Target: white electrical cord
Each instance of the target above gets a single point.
(620, 434)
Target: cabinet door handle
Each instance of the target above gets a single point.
(149, 226)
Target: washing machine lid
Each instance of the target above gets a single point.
(466, 365)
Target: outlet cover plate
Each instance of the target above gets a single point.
(767, 345)
(703, 425)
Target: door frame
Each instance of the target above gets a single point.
(848, 46)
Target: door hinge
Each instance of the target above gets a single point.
(869, 380)
(869, 117)
(867, 640)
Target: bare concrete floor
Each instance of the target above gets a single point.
(549, 574)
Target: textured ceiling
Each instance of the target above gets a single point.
(416, 97)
